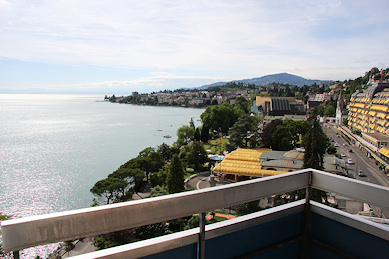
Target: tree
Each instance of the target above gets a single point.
(193, 222)
(112, 98)
(158, 178)
(242, 106)
(315, 143)
(197, 135)
(241, 132)
(110, 188)
(150, 231)
(329, 110)
(175, 176)
(204, 134)
(148, 160)
(282, 140)
(132, 176)
(185, 134)
(197, 156)
(165, 151)
(318, 110)
(287, 136)
(219, 118)
(248, 207)
(191, 123)
(331, 149)
(158, 191)
(267, 133)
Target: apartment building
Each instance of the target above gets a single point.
(369, 113)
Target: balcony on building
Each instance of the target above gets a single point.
(301, 229)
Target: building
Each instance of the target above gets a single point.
(300, 229)
(318, 99)
(341, 111)
(254, 108)
(279, 106)
(266, 162)
(292, 160)
(369, 113)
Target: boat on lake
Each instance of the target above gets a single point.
(167, 136)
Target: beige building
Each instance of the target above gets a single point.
(369, 113)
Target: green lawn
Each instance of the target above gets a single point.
(214, 145)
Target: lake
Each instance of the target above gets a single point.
(54, 148)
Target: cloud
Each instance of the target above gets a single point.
(230, 39)
(161, 81)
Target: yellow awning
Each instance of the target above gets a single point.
(375, 141)
(384, 151)
(381, 115)
(359, 105)
(245, 162)
(379, 160)
(245, 154)
(380, 108)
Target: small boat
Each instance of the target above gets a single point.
(159, 129)
(167, 136)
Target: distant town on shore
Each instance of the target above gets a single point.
(299, 91)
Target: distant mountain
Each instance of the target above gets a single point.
(282, 78)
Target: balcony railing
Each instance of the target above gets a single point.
(293, 222)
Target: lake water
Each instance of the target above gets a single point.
(54, 148)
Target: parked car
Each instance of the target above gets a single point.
(336, 145)
(360, 173)
(343, 154)
(350, 150)
(349, 161)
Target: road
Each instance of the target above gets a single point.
(360, 162)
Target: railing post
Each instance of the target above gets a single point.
(305, 223)
(201, 250)
(15, 254)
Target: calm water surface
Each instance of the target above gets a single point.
(54, 148)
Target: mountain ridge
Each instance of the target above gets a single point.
(282, 78)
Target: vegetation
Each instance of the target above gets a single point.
(283, 135)
(315, 143)
(247, 208)
(242, 134)
(2, 253)
(175, 176)
(220, 118)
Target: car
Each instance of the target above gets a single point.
(349, 161)
(336, 145)
(350, 150)
(360, 173)
(343, 154)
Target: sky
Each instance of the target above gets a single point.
(121, 46)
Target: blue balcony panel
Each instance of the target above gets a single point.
(248, 234)
(342, 237)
